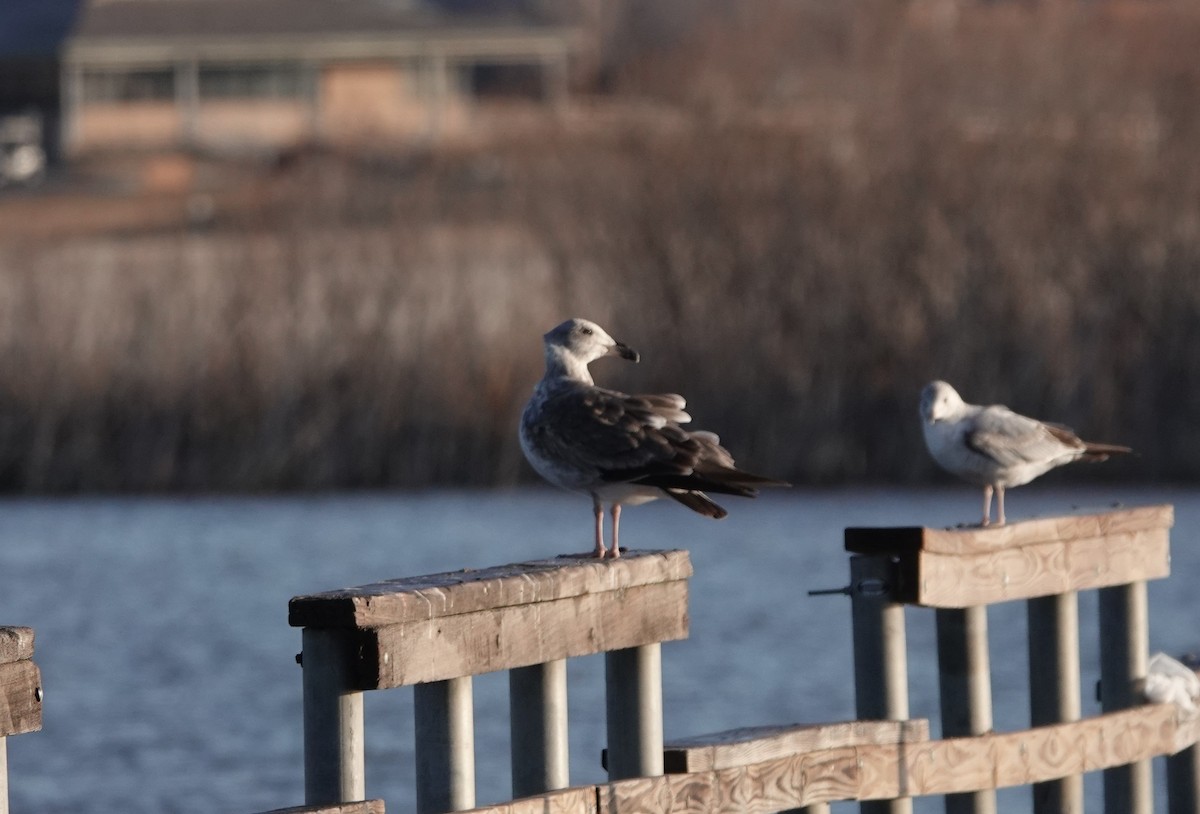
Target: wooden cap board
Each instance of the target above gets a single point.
(438, 595)
(969, 566)
(748, 745)
(20, 683)
(433, 628)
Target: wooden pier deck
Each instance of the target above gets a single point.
(435, 633)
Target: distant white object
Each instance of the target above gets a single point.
(993, 447)
(620, 449)
(1169, 680)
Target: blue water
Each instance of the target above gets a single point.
(168, 664)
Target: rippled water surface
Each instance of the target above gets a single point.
(169, 670)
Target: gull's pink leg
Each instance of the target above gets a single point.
(598, 510)
(987, 505)
(616, 518)
(999, 505)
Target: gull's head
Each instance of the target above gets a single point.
(581, 341)
(939, 401)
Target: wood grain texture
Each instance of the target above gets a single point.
(362, 807)
(439, 595)
(580, 800)
(16, 644)
(1035, 755)
(20, 698)
(881, 771)
(522, 635)
(1039, 569)
(740, 747)
(979, 540)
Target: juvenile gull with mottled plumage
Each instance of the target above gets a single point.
(620, 449)
(995, 448)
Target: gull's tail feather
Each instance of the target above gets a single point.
(1100, 452)
(698, 502)
(722, 481)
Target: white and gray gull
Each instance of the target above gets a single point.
(620, 449)
(993, 447)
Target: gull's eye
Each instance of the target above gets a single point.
(586, 331)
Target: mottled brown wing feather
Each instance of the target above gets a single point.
(613, 432)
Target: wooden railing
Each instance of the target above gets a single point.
(436, 632)
(20, 695)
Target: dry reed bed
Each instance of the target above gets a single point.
(1008, 201)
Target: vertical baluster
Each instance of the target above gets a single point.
(965, 686)
(1183, 781)
(1054, 688)
(880, 655)
(3, 775)
(333, 720)
(538, 724)
(633, 697)
(445, 745)
(1124, 652)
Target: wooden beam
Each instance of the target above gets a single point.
(985, 539)
(1041, 569)
(20, 698)
(580, 800)
(16, 644)
(742, 747)
(500, 639)
(362, 807)
(431, 597)
(875, 771)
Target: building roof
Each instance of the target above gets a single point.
(155, 30)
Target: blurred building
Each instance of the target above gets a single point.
(253, 74)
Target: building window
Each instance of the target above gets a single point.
(252, 82)
(128, 86)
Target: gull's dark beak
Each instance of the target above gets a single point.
(626, 352)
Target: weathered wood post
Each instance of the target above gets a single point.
(444, 729)
(1183, 781)
(633, 701)
(538, 723)
(959, 571)
(1054, 692)
(1124, 653)
(965, 689)
(880, 654)
(20, 695)
(436, 632)
(333, 719)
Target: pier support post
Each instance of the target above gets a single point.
(538, 723)
(633, 698)
(445, 745)
(965, 685)
(333, 720)
(3, 775)
(1053, 623)
(1124, 654)
(1183, 781)
(880, 655)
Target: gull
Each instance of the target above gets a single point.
(995, 448)
(620, 449)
